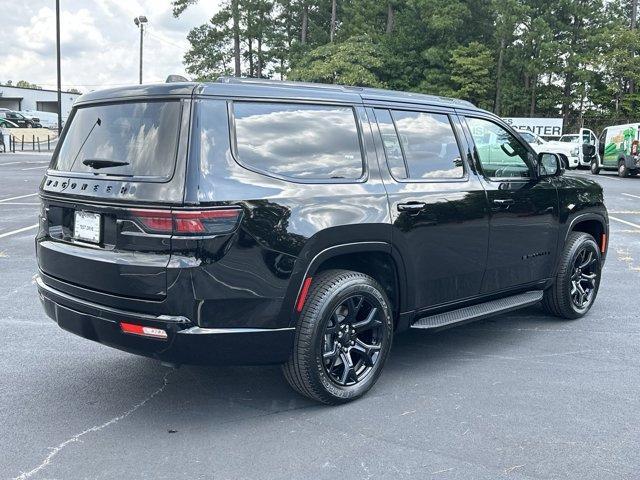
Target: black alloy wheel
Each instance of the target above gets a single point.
(583, 280)
(353, 340)
(343, 337)
(577, 278)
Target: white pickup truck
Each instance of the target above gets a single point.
(569, 152)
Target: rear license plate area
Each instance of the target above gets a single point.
(87, 226)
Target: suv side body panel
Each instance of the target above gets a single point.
(524, 222)
(445, 242)
(255, 281)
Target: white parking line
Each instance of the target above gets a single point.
(631, 195)
(33, 203)
(20, 230)
(33, 168)
(19, 196)
(634, 225)
(597, 177)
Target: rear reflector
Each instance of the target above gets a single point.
(603, 244)
(304, 291)
(143, 331)
(188, 222)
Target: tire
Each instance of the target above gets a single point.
(622, 169)
(313, 369)
(560, 299)
(595, 169)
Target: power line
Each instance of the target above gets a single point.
(162, 39)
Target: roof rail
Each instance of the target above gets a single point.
(287, 83)
(363, 91)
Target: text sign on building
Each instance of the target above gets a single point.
(545, 127)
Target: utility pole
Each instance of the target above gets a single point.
(140, 21)
(634, 19)
(58, 66)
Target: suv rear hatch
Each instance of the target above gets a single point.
(108, 195)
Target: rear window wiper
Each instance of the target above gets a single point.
(103, 163)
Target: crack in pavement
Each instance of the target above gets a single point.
(96, 428)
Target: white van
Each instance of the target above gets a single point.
(615, 149)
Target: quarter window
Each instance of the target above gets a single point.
(298, 140)
(392, 148)
(501, 155)
(429, 145)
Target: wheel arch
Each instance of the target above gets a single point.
(591, 223)
(376, 259)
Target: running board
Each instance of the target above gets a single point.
(482, 310)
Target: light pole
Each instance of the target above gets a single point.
(58, 66)
(140, 21)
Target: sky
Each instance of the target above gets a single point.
(99, 41)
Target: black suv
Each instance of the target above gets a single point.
(20, 120)
(254, 222)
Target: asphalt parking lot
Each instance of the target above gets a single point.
(519, 396)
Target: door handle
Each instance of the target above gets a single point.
(414, 207)
(504, 201)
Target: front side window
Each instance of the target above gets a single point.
(133, 139)
(500, 153)
(429, 145)
(301, 141)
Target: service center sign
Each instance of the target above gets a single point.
(545, 127)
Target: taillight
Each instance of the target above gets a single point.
(155, 220)
(188, 222)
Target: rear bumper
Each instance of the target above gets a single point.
(185, 343)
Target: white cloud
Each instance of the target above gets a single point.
(99, 41)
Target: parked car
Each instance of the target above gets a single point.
(21, 120)
(615, 149)
(46, 119)
(304, 225)
(7, 123)
(569, 154)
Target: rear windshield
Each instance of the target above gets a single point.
(133, 139)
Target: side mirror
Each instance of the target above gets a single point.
(549, 165)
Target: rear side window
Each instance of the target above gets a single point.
(133, 139)
(427, 142)
(300, 141)
(391, 142)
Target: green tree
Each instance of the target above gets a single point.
(471, 77)
(25, 84)
(517, 57)
(355, 61)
